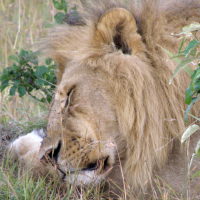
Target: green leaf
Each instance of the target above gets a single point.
(23, 53)
(39, 82)
(4, 85)
(40, 70)
(194, 100)
(43, 100)
(192, 45)
(21, 91)
(197, 86)
(193, 74)
(33, 58)
(14, 58)
(188, 95)
(181, 66)
(196, 75)
(197, 149)
(12, 90)
(181, 45)
(64, 5)
(59, 17)
(49, 98)
(58, 5)
(48, 61)
(189, 131)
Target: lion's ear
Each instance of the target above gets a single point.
(118, 26)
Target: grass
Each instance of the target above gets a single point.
(19, 184)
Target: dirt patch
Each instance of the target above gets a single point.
(7, 134)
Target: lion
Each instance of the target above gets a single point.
(115, 117)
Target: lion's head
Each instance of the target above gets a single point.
(82, 128)
(84, 136)
(114, 113)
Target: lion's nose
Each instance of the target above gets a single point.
(98, 164)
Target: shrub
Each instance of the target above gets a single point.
(26, 75)
(189, 54)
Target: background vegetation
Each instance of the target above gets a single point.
(22, 23)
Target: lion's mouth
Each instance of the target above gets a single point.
(99, 167)
(100, 164)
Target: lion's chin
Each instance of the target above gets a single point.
(87, 177)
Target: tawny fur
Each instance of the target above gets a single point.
(140, 104)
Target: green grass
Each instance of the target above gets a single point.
(19, 184)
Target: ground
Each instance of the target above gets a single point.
(7, 134)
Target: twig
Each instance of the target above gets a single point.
(19, 25)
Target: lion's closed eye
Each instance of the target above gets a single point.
(69, 96)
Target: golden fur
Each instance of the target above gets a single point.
(113, 90)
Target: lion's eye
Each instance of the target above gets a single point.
(69, 95)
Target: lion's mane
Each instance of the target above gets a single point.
(149, 110)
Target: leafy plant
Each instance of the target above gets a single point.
(62, 6)
(26, 75)
(193, 91)
(66, 15)
(189, 54)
